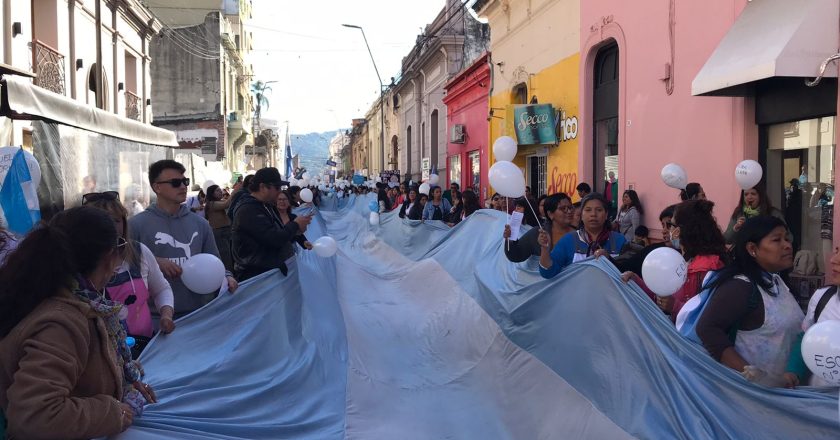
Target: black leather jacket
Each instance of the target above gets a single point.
(260, 241)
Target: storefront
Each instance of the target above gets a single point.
(466, 103)
(770, 55)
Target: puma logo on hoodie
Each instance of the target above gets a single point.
(176, 238)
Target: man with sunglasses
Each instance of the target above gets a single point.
(260, 240)
(174, 233)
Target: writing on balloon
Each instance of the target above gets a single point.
(831, 364)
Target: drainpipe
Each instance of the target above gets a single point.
(71, 9)
(99, 84)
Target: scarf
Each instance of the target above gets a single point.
(750, 212)
(598, 243)
(109, 311)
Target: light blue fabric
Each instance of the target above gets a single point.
(418, 331)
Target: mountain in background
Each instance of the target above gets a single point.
(313, 149)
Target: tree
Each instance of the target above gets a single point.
(259, 89)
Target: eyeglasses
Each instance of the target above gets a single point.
(95, 197)
(671, 225)
(569, 208)
(121, 242)
(177, 183)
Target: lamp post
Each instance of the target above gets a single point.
(381, 99)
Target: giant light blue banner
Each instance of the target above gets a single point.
(415, 330)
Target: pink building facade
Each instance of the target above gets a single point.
(466, 103)
(641, 67)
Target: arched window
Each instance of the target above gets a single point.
(520, 94)
(605, 114)
(394, 152)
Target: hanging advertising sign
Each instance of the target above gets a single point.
(425, 166)
(534, 124)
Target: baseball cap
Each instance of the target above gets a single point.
(268, 175)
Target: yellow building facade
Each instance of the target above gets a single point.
(534, 46)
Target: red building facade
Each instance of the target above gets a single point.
(467, 101)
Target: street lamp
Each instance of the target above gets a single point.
(381, 99)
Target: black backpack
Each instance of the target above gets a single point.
(823, 301)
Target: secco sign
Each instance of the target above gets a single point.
(534, 124)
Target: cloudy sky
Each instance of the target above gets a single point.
(324, 74)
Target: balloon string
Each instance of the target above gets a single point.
(507, 211)
(528, 202)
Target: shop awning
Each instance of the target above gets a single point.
(23, 100)
(771, 38)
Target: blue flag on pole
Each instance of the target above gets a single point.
(18, 197)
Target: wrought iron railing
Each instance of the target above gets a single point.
(132, 106)
(49, 67)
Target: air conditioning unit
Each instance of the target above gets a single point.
(459, 134)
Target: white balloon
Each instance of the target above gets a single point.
(434, 179)
(306, 195)
(664, 271)
(341, 185)
(305, 175)
(203, 273)
(322, 187)
(424, 188)
(303, 182)
(504, 149)
(339, 194)
(293, 182)
(821, 350)
(374, 218)
(507, 179)
(325, 247)
(748, 173)
(674, 176)
(207, 184)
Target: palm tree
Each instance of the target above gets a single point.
(259, 89)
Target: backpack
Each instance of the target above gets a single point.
(823, 301)
(687, 322)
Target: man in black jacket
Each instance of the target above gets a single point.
(260, 242)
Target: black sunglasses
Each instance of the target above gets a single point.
(176, 183)
(95, 197)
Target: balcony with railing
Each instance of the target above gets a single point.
(132, 106)
(49, 67)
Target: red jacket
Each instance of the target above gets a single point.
(698, 267)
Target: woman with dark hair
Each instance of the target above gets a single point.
(294, 196)
(456, 212)
(629, 216)
(383, 199)
(137, 279)
(692, 191)
(694, 232)
(215, 211)
(594, 239)
(559, 209)
(408, 203)
(751, 320)
(284, 207)
(753, 202)
(416, 212)
(437, 207)
(522, 204)
(65, 368)
(470, 201)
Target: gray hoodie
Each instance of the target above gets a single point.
(176, 238)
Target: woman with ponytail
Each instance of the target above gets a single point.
(65, 368)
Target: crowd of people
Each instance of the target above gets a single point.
(96, 278)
